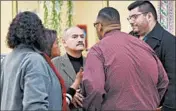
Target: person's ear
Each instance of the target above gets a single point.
(100, 27)
(64, 43)
(149, 16)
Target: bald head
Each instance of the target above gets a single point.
(72, 31)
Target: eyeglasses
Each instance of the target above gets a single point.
(96, 23)
(135, 16)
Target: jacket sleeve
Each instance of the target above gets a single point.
(162, 79)
(36, 84)
(169, 63)
(93, 82)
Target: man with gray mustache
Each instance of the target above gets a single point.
(69, 64)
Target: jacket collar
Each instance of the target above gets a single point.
(155, 36)
(68, 68)
(156, 33)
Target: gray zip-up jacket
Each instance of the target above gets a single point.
(28, 82)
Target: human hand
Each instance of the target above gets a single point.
(79, 75)
(159, 109)
(78, 79)
(78, 99)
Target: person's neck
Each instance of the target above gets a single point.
(110, 28)
(75, 54)
(141, 37)
(151, 26)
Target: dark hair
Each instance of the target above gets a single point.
(50, 37)
(144, 6)
(109, 15)
(26, 28)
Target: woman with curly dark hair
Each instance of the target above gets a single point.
(29, 81)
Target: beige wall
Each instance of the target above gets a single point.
(85, 12)
(121, 6)
(28, 5)
(6, 17)
(63, 23)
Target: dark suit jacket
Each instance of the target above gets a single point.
(164, 44)
(65, 68)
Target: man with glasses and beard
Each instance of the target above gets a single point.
(143, 19)
(69, 64)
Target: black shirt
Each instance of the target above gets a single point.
(76, 62)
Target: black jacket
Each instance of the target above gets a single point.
(164, 44)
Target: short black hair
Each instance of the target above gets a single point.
(50, 37)
(26, 28)
(109, 15)
(144, 6)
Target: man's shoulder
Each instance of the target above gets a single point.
(97, 49)
(56, 61)
(56, 58)
(59, 59)
(168, 36)
(168, 41)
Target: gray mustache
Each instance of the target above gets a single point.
(80, 44)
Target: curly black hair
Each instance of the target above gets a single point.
(26, 28)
